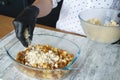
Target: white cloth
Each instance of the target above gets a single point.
(68, 19)
(55, 3)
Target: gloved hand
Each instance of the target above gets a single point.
(119, 15)
(26, 21)
(117, 42)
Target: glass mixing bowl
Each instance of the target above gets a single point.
(101, 32)
(14, 46)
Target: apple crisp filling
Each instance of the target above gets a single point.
(44, 56)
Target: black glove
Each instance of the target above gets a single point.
(26, 21)
(119, 15)
(117, 42)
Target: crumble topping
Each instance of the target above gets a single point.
(44, 56)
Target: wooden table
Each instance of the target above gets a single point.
(97, 61)
(6, 26)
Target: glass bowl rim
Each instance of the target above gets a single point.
(98, 9)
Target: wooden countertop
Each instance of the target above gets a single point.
(6, 26)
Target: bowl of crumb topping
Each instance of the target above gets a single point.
(48, 57)
(101, 25)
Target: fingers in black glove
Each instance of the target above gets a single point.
(30, 31)
(25, 21)
(20, 33)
